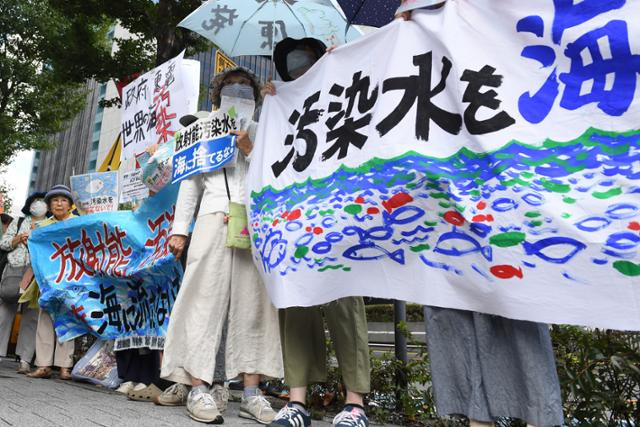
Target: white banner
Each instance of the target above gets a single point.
(484, 156)
(154, 102)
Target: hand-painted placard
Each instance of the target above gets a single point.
(498, 174)
(154, 102)
(110, 274)
(95, 192)
(204, 146)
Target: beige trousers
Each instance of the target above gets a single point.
(49, 351)
(220, 284)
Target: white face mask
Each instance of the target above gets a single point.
(38, 208)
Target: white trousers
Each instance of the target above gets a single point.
(220, 283)
(50, 351)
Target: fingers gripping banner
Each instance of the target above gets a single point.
(110, 274)
(484, 156)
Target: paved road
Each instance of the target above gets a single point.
(35, 402)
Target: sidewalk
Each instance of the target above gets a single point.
(35, 402)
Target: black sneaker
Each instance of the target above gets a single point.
(351, 416)
(291, 416)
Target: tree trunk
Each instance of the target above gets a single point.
(168, 44)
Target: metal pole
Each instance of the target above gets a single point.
(400, 316)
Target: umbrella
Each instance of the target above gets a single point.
(378, 13)
(253, 27)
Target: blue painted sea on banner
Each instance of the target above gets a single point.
(486, 216)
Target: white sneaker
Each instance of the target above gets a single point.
(257, 408)
(220, 394)
(201, 407)
(24, 367)
(126, 387)
(176, 395)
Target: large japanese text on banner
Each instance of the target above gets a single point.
(110, 274)
(154, 102)
(497, 173)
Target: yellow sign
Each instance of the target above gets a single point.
(112, 160)
(223, 62)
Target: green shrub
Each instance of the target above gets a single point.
(384, 313)
(599, 375)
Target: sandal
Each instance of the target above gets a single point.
(65, 374)
(43, 373)
(147, 394)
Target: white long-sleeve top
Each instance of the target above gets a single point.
(209, 190)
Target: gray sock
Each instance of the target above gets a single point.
(251, 391)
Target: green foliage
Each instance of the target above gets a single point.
(600, 376)
(384, 313)
(7, 202)
(153, 25)
(35, 99)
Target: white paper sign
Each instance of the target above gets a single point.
(132, 187)
(484, 156)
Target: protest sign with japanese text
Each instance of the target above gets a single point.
(490, 162)
(154, 102)
(204, 146)
(95, 192)
(132, 187)
(110, 274)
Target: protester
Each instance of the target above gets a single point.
(302, 328)
(18, 264)
(502, 367)
(220, 285)
(49, 351)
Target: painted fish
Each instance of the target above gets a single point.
(455, 243)
(369, 251)
(592, 224)
(506, 271)
(399, 199)
(552, 245)
(504, 204)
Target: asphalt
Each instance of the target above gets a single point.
(36, 402)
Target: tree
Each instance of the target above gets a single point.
(50, 48)
(153, 24)
(35, 99)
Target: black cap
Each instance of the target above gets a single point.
(32, 197)
(286, 46)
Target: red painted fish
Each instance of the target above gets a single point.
(399, 199)
(506, 271)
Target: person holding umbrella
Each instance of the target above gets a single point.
(220, 285)
(302, 328)
(502, 367)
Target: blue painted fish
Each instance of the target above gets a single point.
(552, 245)
(455, 243)
(369, 251)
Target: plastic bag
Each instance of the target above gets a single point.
(238, 227)
(156, 172)
(98, 366)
